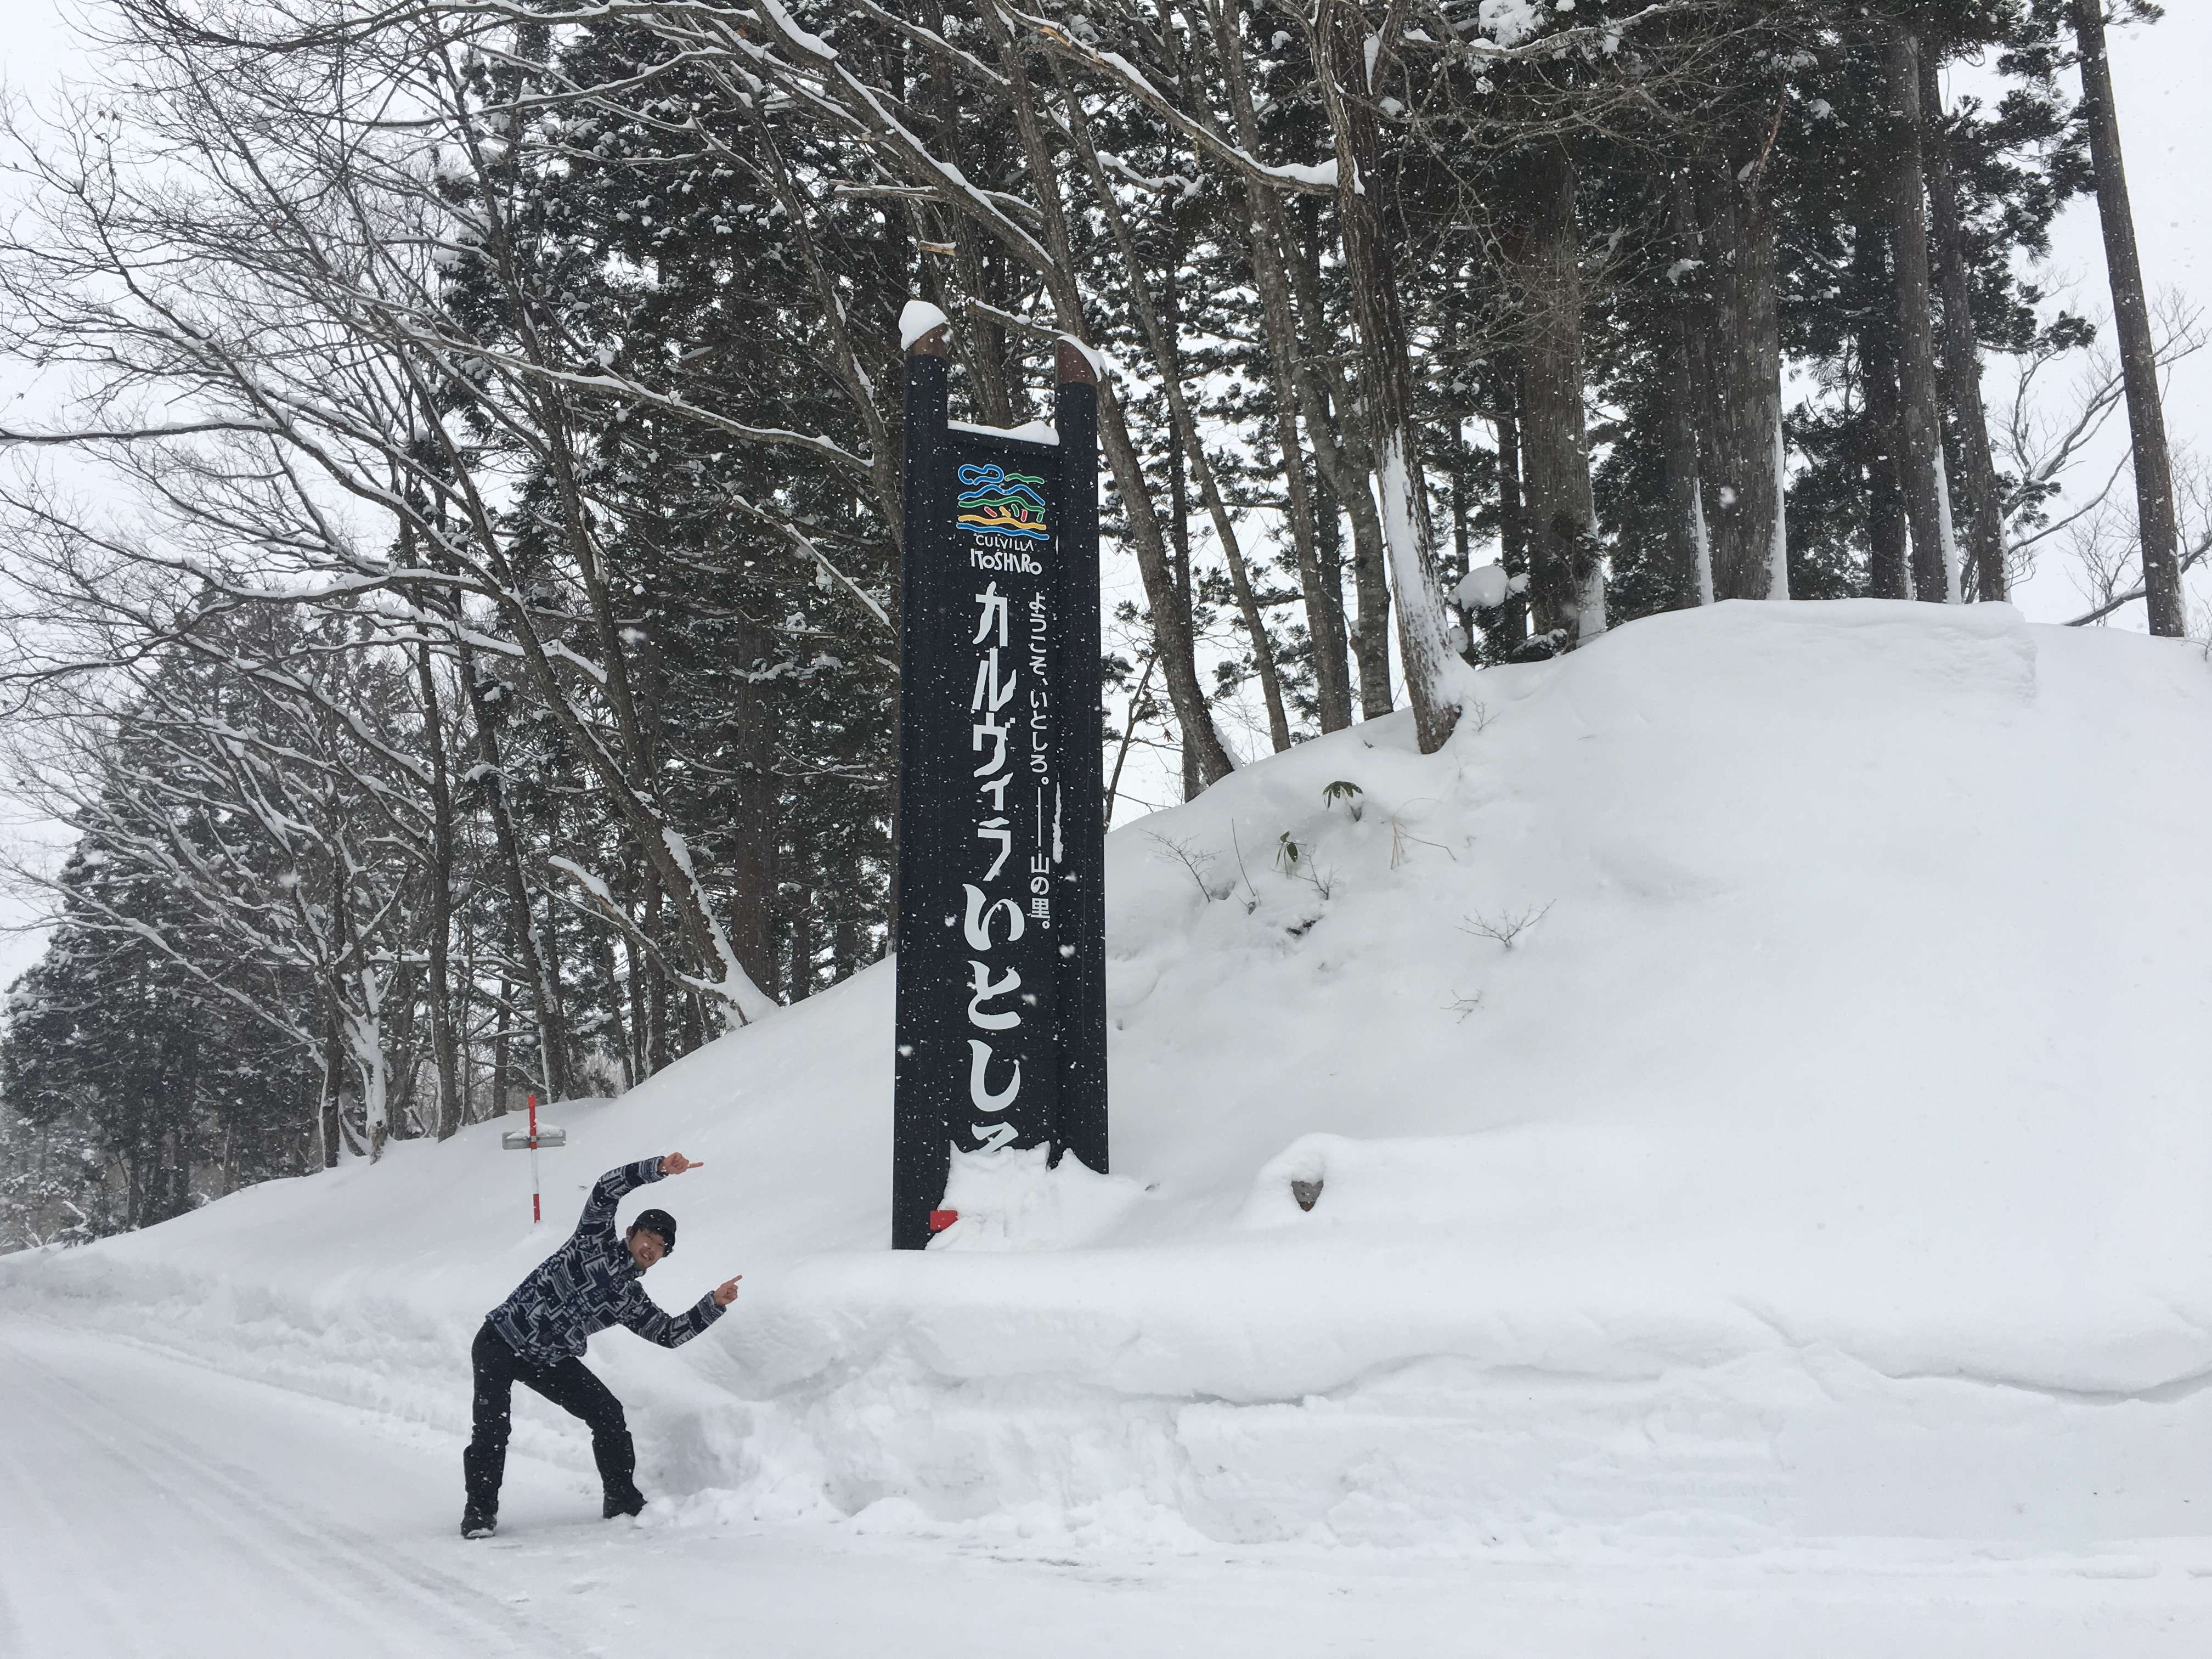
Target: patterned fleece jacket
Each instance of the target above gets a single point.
(590, 1283)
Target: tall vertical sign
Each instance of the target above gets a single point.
(1001, 1023)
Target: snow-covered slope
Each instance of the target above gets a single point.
(1829, 1155)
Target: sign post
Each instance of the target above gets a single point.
(537, 1136)
(1002, 1021)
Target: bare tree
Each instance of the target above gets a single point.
(2049, 434)
(292, 297)
(2105, 548)
(2153, 467)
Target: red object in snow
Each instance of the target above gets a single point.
(529, 1141)
(940, 1220)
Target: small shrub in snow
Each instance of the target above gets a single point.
(1402, 836)
(1346, 793)
(1507, 925)
(1251, 893)
(1196, 861)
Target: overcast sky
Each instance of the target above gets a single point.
(2159, 75)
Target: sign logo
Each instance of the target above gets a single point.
(997, 501)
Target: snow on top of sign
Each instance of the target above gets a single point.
(916, 320)
(1099, 361)
(1029, 432)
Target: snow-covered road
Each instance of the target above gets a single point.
(151, 1507)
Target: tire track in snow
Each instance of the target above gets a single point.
(156, 1529)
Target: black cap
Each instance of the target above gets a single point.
(658, 1221)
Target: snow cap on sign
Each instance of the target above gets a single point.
(916, 320)
(1099, 361)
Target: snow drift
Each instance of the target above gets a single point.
(1755, 1077)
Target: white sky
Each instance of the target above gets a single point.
(35, 49)
(2160, 76)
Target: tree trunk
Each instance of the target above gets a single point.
(637, 968)
(549, 950)
(484, 699)
(844, 936)
(1324, 598)
(749, 864)
(1345, 462)
(1743, 410)
(1962, 358)
(611, 998)
(1194, 772)
(502, 1080)
(1370, 582)
(1318, 579)
(1328, 549)
(1542, 252)
(1320, 574)
(1511, 628)
(1169, 601)
(798, 934)
(1934, 576)
(1162, 334)
(467, 992)
(659, 1047)
(1453, 437)
(365, 1038)
(439, 924)
(1433, 668)
(1689, 547)
(329, 1099)
(2154, 465)
(631, 780)
(1889, 576)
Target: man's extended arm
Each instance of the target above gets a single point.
(609, 1189)
(649, 1320)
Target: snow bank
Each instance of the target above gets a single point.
(1755, 1076)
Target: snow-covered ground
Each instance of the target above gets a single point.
(161, 1511)
(1799, 1229)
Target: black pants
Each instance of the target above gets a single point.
(567, 1385)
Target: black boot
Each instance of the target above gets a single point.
(615, 1453)
(626, 1499)
(482, 1467)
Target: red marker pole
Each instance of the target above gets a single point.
(536, 1209)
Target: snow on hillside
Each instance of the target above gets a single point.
(1828, 1156)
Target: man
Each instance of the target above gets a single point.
(537, 1337)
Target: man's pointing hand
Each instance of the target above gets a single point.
(677, 1164)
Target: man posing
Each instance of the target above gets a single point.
(537, 1337)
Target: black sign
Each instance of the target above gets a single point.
(1001, 1027)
